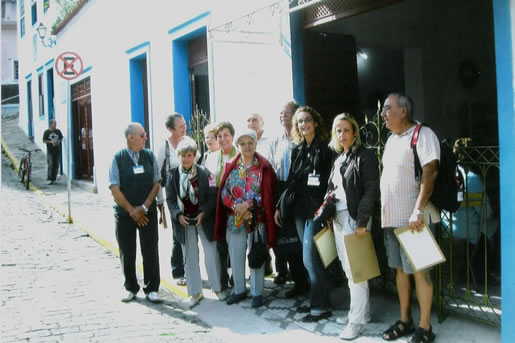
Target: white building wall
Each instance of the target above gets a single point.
(244, 78)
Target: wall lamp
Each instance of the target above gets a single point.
(46, 41)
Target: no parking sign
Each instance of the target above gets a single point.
(68, 65)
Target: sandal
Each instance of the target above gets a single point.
(423, 336)
(397, 330)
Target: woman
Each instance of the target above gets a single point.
(306, 185)
(191, 202)
(246, 190)
(211, 142)
(355, 182)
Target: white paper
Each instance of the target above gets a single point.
(421, 248)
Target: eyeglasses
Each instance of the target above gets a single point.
(306, 121)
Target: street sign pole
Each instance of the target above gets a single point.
(68, 151)
(66, 67)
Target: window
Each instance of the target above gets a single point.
(46, 5)
(41, 96)
(21, 3)
(34, 10)
(16, 70)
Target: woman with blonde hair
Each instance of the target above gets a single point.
(355, 183)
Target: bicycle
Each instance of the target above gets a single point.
(25, 170)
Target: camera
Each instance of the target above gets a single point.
(192, 221)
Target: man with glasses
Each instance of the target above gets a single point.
(134, 182)
(405, 201)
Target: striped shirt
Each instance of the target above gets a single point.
(399, 188)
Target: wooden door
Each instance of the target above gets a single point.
(331, 74)
(82, 130)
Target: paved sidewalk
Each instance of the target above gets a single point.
(277, 318)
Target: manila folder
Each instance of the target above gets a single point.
(324, 241)
(362, 257)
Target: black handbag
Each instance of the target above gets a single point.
(287, 239)
(259, 251)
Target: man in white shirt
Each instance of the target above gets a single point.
(405, 201)
(255, 122)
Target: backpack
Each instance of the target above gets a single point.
(448, 186)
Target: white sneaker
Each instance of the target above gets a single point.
(153, 297)
(351, 331)
(194, 300)
(221, 295)
(129, 297)
(344, 320)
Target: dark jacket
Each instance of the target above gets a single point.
(267, 185)
(361, 184)
(299, 199)
(206, 202)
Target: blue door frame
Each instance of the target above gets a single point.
(505, 103)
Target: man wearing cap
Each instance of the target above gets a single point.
(134, 182)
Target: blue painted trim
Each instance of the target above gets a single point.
(50, 93)
(86, 70)
(506, 120)
(40, 70)
(189, 22)
(297, 57)
(28, 77)
(181, 75)
(136, 89)
(137, 47)
(49, 64)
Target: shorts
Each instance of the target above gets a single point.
(396, 256)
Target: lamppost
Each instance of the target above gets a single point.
(46, 41)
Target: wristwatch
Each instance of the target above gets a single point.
(418, 212)
(145, 208)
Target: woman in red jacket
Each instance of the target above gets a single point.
(245, 206)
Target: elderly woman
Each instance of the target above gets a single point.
(191, 201)
(210, 132)
(355, 182)
(246, 189)
(311, 161)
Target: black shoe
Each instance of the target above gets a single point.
(303, 309)
(236, 298)
(257, 301)
(280, 280)
(295, 292)
(313, 319)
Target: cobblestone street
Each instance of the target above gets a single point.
(58, 284)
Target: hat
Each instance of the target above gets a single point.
(246, 133)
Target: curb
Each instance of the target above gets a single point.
(110, 247)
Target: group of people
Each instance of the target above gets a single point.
(248, 188)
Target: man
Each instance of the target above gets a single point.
(405, 201)
(53, 137)
(280, 152)
(167, 155)
(134, 182)
(256, 123)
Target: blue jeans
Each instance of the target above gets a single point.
(320, 302)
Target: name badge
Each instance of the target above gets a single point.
(313, 180)
(138, 169)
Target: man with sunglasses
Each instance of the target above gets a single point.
(134, 182)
